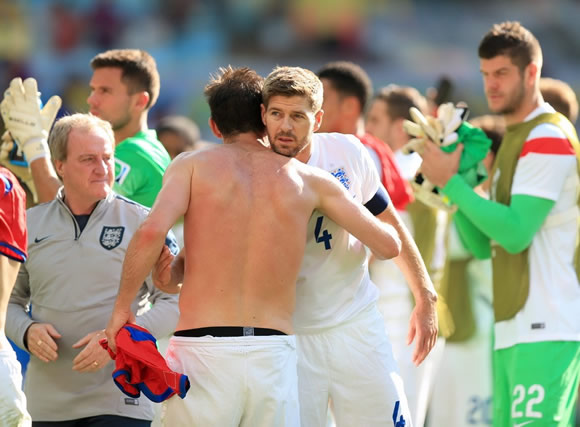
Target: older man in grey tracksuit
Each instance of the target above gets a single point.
(77, 244)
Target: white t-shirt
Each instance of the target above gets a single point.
(547, 168)
(333, 284)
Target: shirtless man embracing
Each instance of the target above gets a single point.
(246, 212)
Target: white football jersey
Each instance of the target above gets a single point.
(547, 168)
(333, 283)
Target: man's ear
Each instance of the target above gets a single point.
(398, 126)
(263, 113)
(532, 74)
(214, 128)
(142, 99)
(318, 119)
(350, 106)
(58, 167)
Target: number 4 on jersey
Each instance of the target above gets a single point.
(325, 236)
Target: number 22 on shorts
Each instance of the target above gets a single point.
(536, 392)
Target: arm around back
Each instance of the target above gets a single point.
(147, 242)
(335, 201)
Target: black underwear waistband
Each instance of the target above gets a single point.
(228, 331)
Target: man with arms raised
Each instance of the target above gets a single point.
(246, 214)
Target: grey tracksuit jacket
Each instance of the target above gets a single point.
(70, 280)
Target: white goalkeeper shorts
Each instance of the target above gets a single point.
(248, 381)
(13, 411)
(351, 364)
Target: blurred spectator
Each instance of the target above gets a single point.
(15, 33)
(177, 14)
(388, 110)
(105, 23)
(332, 25)
(462, 395)
(439, 94)
(560, 95)
(178, 134)
(66, 27)
(74, 94)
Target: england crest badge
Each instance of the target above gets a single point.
(111, 237)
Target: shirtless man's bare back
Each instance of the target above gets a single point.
(246, 213)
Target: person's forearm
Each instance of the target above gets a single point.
(513, 226)
(45, 179)
(472, 238)
(409, 260)
(17, 319)
(142, 252)
(17, 323)
(176, 273)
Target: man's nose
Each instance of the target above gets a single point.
(92, 99)
(102, 167)
(491, 83)
(286, 123)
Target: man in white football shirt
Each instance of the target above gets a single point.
(344, 354)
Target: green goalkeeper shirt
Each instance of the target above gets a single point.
(140, 162)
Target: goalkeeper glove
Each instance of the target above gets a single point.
(28, 124)
(440, 129)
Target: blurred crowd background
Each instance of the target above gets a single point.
(407, 42)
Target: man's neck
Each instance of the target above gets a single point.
(396, 144)
(80, 207)
(350, 127)
(248, 140)
(305, 153)
(131, 129)
(524, 110)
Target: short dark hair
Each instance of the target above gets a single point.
(561, 96)
(234, 96)
(138, 70)
(510, 38)
(183, 126)
(400, 99)
(349, 79)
